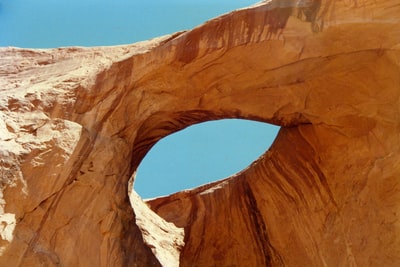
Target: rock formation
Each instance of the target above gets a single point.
(76, 122)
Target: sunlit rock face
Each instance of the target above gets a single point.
(76, 122)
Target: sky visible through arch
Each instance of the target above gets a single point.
(201, 153)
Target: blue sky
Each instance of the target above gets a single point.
(194, 156)
(202, 153)
(54, 23)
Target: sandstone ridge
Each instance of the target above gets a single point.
(76, 122)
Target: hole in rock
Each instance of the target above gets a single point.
(201, 154)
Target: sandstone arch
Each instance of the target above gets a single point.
(325, 194)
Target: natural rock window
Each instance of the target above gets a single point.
(201, 154)
(76, 122)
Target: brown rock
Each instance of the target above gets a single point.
(76, 122)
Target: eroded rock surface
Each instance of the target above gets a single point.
(76, 122)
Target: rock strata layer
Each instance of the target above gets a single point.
(76, 122)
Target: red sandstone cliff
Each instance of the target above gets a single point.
(75, 123)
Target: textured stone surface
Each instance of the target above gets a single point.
(76, 122)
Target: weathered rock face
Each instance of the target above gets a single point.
(76, 122)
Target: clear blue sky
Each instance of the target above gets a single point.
(194, 156)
